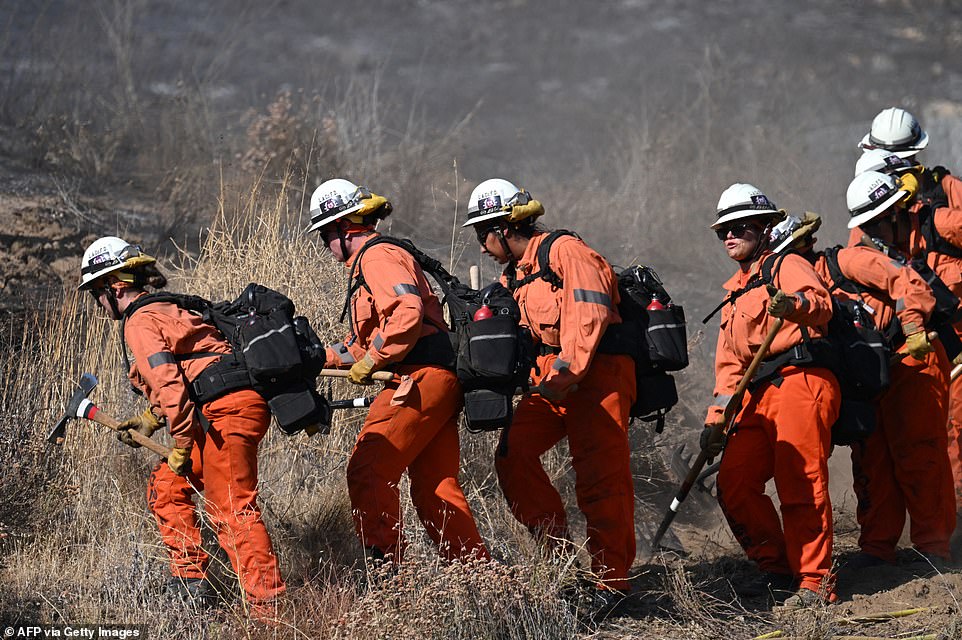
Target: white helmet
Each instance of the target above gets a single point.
(109, 255)
(896, 130)
(883, 161)
(781, 234)
(742, 201)
(493, 198)
(793, 231)
(334, 199)
(869, 195)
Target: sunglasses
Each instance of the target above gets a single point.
(483, 232)
(890, 217)
(737, 230)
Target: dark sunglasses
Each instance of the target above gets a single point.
(483, 232)
(738, 230)
(890, 217)
(327, 235)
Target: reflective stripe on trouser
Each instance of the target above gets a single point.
(594, 418)
(904, 464)
(955, 433)
(421, 435)
(784, 433)
(224, 467)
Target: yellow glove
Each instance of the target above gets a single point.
(361, 370)
(146, 423)
(374, 204)
(909, 183)
(918, 345)
(520, 212)
(179, 460)
(802, 236)
(957, 360)
(781, 304)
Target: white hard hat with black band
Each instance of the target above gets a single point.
(869, 195)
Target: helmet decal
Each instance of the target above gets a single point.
(489, 204)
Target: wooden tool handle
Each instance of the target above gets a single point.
(380, 376)
(110, 422)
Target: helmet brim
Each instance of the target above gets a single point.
(314, 226)
(908, 152)
(741, 215)
(487, 216)
(862, 218)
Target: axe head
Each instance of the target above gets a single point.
(74, 408)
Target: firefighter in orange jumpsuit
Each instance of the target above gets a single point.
(580, 393)
(396, 324)
(936, 196)
(903, 464)
(783, 429)
(215, 445)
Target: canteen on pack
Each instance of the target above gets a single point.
(492, 355)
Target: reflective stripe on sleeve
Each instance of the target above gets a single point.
(378, 342)
(597, 297)
(560, 365)
(342, 353)
(161, 357)
(401, 289)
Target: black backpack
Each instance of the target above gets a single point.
(274, 352)
(492, 357)
(655, 338)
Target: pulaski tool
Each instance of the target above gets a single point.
(80, 406)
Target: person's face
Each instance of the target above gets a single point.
(883, 226)
(99, 291)
(329, 238)
(489, 236)
(741, 238)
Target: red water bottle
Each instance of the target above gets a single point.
(483, 313)
(655, 304)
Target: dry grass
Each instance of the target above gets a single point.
(76, 542)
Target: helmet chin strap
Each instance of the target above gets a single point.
(504, 246)
(761, 246)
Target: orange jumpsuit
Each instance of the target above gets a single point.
(902, 464)
(783, 430)
(421, 434)
(948, 223)
(594, 417)
(223, 459)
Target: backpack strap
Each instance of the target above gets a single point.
(182, 300)
(839, 279)
(933, 239)
(931, 190)
(545, 272)
(766, 275)
(431, 266)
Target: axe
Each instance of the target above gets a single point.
(81, 407)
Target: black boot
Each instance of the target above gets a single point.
(196, 591)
